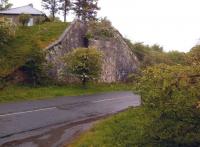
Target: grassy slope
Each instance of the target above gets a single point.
(124, 129)
(19, 93)
(27, 38)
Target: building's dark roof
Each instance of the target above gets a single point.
(28, 9)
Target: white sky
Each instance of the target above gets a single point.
(173, 24)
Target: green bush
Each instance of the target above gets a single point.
(34, 68)
(100, 30)
(84, 63)
(152, 55)
(173, 92)
(149, 55)
(194, 56)
(4, 36)
(178, 57)
(7, 32)
(24, 19)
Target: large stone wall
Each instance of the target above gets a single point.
(118, 59)
(72, 38)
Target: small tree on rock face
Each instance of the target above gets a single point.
(84, 63)
(86, 9)
(24, 19)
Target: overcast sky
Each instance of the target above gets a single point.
(173, 24)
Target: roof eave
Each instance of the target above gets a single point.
(17, 14)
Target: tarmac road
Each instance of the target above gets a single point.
(54, 122)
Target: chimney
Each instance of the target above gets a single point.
(31, 5)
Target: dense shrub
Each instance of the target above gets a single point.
(177, 57)
(4, 36)
(152, 55)
(100, 29)
(173, 92)
(24, 19)
(194, 56)
(84, 63)
(7, 32)
(149, 55)
(34, 68)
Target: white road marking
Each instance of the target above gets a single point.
(51, 108)
(109, 99)
(31, 111)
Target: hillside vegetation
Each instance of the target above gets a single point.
(27, 39)
(152, 55)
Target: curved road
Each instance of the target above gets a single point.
(54, 122)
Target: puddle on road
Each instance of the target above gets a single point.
(56, 137)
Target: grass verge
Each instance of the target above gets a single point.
(21, 93)
(122, 130)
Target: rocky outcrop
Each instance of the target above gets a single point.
(73, 37)
(118, 60)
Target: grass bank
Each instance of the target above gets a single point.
(17, 51)
(126, 129)
(21, 93)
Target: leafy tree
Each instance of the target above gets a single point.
(86, 9)
(84, 63)
(24, 19)
(4, 5)
(65, 7)
(173, 93)
(34, 67)
(52, 6)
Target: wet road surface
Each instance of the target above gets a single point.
(55, 122)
